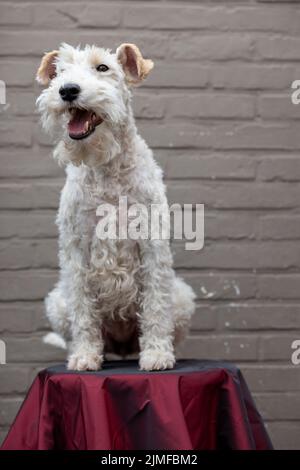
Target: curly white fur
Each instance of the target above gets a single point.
(108, 290)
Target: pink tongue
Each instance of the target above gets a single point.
(76, 124)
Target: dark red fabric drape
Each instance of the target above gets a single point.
(199, 405)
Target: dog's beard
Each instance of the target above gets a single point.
(72, 124)
(83, 134)
(99, 148)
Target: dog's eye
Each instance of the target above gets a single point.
(102, 68)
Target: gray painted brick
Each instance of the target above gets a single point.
(216, 286)
(166, 75)
(28, 224)
(15, 133)
(278, 1)
(230, 348)
(8, 409)
(277, 47)
(253, 76)
(193, 164)
(34, 43)
(108, 15)
(28, 254)
(29, 163)
(222, 18)
(29, 195)
(257, 136)
(234, 195)
(279, 168)
(268, 255)
(56, 15)
(11, 14)
(18, 317)
(3, 433)
(29, 349)
(14, 379)
(251, 136)
(272, 378)
(256, 316)
(212, 47)
(21, 103)
(285, 435)
(278, 286)
(279, 406)
(277, 227)
(277, 346)
(25, 285)
(222, 225)
(204, 319)
(208, 106)
(278, 107)
(10, 72)
(148, 106)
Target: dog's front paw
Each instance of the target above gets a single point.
(155, 359)
(85, 361)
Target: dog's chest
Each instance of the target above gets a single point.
(113, 264)
(102, 207)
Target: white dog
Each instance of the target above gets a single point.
(119, 295)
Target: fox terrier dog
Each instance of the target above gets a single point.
(113, 295)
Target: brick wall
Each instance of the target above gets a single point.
(217, 112)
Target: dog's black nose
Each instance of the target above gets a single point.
(69, 92)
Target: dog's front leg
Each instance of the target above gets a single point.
(156, 323)
(86, 348)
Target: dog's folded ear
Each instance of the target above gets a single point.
(47, 68)
(136, 68)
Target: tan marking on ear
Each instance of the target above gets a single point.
(144, 66)
(46, 70)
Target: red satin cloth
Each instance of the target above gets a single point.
(198, 405)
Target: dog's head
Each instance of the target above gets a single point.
(87, 94)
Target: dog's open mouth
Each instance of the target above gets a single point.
(82, 123)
